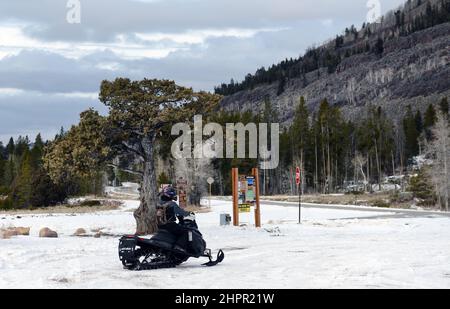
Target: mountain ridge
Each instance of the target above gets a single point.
(409, 67)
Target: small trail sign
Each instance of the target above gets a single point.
(210, 181)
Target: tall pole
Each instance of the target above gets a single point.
(299, 204)
(264, 179)
(298, 179)
(235, 184)
(258, 205)
(210, 195)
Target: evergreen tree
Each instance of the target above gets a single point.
(10, 147)
(3, 154)
(444, 107)
(37, 152)
(422, 188)
(375, 141)
(379, 47)
(21, 147)
(2, 163)
(9, 173)
(411, 134)
(22, 186)
(429, 121)
(44, 191)
(61, 134)
(2, 171)
(138, 112)
(419, 122)
(330, 141)
(300, 136)
(270, 183)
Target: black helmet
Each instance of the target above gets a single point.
(168, 193)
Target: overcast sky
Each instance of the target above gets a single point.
(50, 69)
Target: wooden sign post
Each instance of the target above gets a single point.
(235, 185)
(257, 205)
(250, 191)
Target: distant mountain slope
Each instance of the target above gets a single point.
(403, 60)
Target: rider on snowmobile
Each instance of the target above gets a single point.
(172, 211)
(174, 243)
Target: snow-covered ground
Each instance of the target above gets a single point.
(331, 249)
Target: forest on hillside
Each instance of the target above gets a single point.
(25, 182)
(332, 152)
(414, 16)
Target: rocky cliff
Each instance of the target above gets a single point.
(412, 70)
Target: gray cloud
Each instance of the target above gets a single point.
(31, 113)
(49, 72)
(102, 19)
(42, 73)
(201, 65)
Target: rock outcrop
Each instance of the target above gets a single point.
(47, 233)
(14, 231)
(80, 232)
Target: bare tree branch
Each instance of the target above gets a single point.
(126, 170)
(138, 153)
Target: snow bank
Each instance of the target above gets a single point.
(331, 249)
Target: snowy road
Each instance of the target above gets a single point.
(394, 212)
(333, 249)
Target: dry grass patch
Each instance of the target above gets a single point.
(105, 205)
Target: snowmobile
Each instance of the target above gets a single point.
(173, 245)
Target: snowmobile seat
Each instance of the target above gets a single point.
(163, 239)
(173, 228)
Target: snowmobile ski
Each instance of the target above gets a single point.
(219, 259)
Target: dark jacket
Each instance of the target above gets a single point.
(174, 212)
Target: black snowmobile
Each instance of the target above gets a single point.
(171, 246)
(174, 244)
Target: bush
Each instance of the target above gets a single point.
(5, 203)
(90, 203)
(4, 190)
(381, 204)
(422, 189)
(44, 192)
(354, 193)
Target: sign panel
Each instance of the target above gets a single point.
(298, 176)
(244, 208)
(250, 195)
(182, 192)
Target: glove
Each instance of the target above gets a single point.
(191, 217)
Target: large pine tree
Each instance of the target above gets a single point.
(300, 136)
(429, 121)
(411, 134)
(444, 106)
(22, 186)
